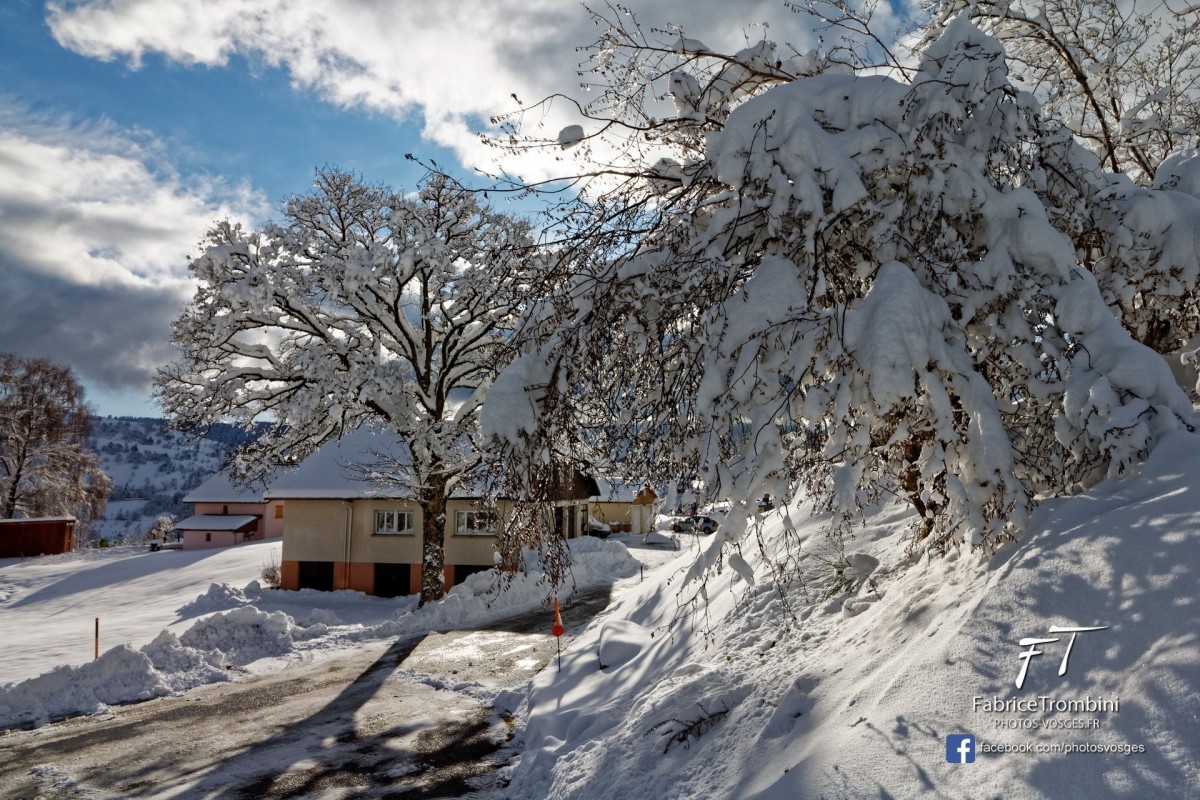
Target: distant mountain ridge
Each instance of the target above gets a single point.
(152, 468)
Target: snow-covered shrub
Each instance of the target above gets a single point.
(162, 529)
(272, 571)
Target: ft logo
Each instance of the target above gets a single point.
(1032, 644)
(960, 748)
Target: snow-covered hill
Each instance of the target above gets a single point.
(767, 693)
(152, 467)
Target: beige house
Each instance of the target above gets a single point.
(372, 544)
(623, 505)
(342, 532)
(225, 515)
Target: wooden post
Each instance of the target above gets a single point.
(97, 637)
(557, 630)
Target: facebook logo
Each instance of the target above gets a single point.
(960, 748)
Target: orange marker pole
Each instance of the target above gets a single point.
(97, 637)
(557, 630)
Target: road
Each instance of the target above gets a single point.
(405, 719)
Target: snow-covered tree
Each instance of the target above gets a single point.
(163, 528)
(1124, 80)
(847, 283)
(1123, 77)
(362, 307)
(46, 467)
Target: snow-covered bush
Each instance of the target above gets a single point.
(272, 571)
(162, 529)
(851, 284)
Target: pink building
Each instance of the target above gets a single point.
(226, 515)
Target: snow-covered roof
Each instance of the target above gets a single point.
(215, 522)
(330, 472)
(38, 519)
(618, 490)
(220, 489)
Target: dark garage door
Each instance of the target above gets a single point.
(316, 575)
(393, 580)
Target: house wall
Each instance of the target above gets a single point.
(469, 548)
(204, 540)
(234, 508)
(390, 548)
(642, 517)
(316, 531)
(289, 575)
(272, 526)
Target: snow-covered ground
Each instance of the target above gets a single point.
(48, 605)
(768, 690)
(770, 693)
(173, 620)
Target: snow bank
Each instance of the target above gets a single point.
(182, 667)
(247, 632)
(121, 675)
(481, 597)
(219, 597)
(775, 692)
(135, 593)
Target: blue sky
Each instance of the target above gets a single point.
(243, 119)
(128, 126)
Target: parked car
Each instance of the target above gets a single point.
(695, 524)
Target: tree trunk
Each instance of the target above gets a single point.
(508, 539)
(433, 540)
(10, 502)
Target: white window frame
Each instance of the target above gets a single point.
(461, 528)
(393, 522)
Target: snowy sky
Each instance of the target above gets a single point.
(128, 126)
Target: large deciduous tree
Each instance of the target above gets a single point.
(362, 307)
(46, 467)
(859, 285)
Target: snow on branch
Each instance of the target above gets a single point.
(861, 288)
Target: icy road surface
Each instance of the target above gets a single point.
(410, 719)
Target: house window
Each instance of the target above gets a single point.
(279, 512)
(208, 537)
(474, 523)
(393, 522)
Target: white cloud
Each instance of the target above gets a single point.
(95, 230)
(455, 63)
